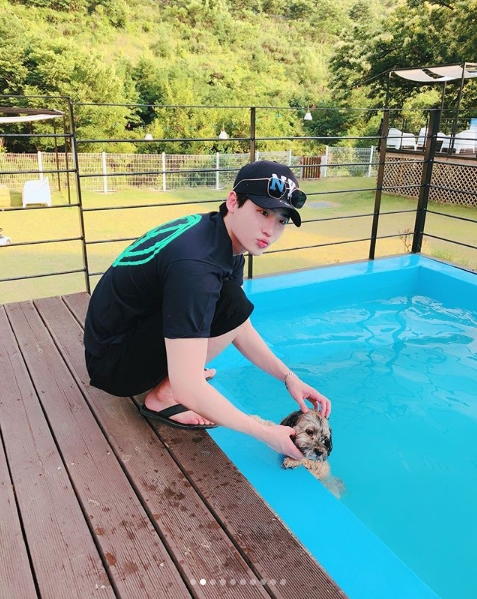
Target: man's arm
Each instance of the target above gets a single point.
(253, 347)
(186, 359)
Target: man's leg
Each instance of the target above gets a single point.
(161, 396)
(232, 312)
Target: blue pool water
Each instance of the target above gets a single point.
(393, 343)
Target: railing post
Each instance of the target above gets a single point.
(253, 117)
(217, 167)
(427, 166)
(74, 151)
(67, 162)
(57, 162)
(252, 133)
(384, 130)
(250, 266)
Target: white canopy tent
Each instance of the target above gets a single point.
(438, 74)
(442, 74)
(28, 118)
(16, 114)
(10, 114)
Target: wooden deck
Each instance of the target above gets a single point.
(97, 502)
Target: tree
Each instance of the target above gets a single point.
(416, 33)
(46, 69)
(331, 122)
(190, 53)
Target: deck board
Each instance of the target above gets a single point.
(57, 536)
(188, 528)
(15, 574)
(98, 502)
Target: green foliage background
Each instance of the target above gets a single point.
(296, 54)
(415, 33)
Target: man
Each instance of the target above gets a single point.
(173, 300)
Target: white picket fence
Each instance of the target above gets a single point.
(106, 172)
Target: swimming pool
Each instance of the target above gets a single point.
(394, 344)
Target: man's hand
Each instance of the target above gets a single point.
(278, 437)
(251, 345)
(301, 391)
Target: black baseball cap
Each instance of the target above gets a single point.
(271, 185)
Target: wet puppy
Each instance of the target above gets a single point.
(313, 438)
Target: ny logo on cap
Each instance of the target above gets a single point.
(277, 187)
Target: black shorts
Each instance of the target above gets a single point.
(139, 362)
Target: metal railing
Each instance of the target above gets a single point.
(68, 166)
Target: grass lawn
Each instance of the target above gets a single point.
(140, 210)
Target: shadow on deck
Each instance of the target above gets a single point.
(98, 502)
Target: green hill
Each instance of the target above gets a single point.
(190, 52)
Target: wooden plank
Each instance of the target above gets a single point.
(16, 578)
(275, 553)
(310, 167)
(64, 558)
(78, 304)
(137, 562)
(201, 548)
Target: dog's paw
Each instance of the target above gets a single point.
(291, 463)
(261, 420)
(320, 470)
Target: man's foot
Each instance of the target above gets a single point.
(165, 416)
(161, 397)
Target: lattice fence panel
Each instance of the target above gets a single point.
(452, 182)
(402, 176)
(459, 181)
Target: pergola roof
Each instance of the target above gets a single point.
(27, 115)
(439, 74)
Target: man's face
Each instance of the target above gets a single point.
(251, 228)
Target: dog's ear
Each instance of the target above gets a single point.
(291, 419)
(328, 443)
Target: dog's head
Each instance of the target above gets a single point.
(313, 434)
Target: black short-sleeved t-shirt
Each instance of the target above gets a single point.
(178, 269)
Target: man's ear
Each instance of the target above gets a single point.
(232, 202)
